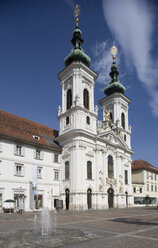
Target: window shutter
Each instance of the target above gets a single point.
(23, 151)
(0, 147)
(23, 171)
(42, 154)
(35, 153)
(14, 169)
(15, 149)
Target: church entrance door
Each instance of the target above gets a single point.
(110, 197)
(67, 196)
(126, 198)
(89, 198)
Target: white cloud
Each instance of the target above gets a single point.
(132, 22)
(102, 61)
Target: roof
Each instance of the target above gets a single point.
(143, 165)
(15, 127)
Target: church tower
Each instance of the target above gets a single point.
(77, 82)
(116, 103)
(77, 117)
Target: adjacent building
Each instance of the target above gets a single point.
(29, 163)
(145, 182)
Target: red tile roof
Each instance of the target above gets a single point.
(22, 129)
(143, 165)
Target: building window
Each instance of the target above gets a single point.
(55, 158)
(147, 187)
(123, 120)
(152, 188)
(151, 176)
(86, 98)
(69, 99)
(36, 137)
(155, 188)
(67, 170)
(19, 170)
(19, 150)
(88, 120)
(155, 177)
(134, 190)
(56, 175)
(110, 167)
(140, 190)
(89, 170)
(39, 172)
(38, 154)
(147, 175)
(67, 120)
(124, 137)
(126, 177)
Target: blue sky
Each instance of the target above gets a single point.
(35, 37)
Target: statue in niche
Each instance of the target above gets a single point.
(107, 117)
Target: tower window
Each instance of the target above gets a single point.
(69, 99)
(126, 177)
(110, 167)
(86, 98)
(67, 120)
(88, 120)
(124, 137)
(123, 120)
(67, 170)
(89, 170)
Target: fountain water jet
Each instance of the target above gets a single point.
(45, 222)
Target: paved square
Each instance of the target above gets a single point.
(124, 228)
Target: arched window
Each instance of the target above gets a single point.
(86, 98)
(69, 99)
(126, 177)
(67, 120)
(123, 120)
(88, 120)
(67, 170)
(89, 170)
(124, 137)
(110, 167)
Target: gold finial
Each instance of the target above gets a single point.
(113, 52)
(76, 13)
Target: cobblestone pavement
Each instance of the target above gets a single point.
(121, 228)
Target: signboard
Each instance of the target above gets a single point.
(34, 180)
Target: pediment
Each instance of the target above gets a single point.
(113, 138)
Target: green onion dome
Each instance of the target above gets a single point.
(77, 53)
(114, 86)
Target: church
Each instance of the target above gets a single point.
(87, 164)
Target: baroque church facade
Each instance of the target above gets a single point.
(96, 155)
(90, 160)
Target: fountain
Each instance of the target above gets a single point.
(35, 224)
(44, 224)
(55, 220)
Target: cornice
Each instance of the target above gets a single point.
(7, 137)
(76, 65)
